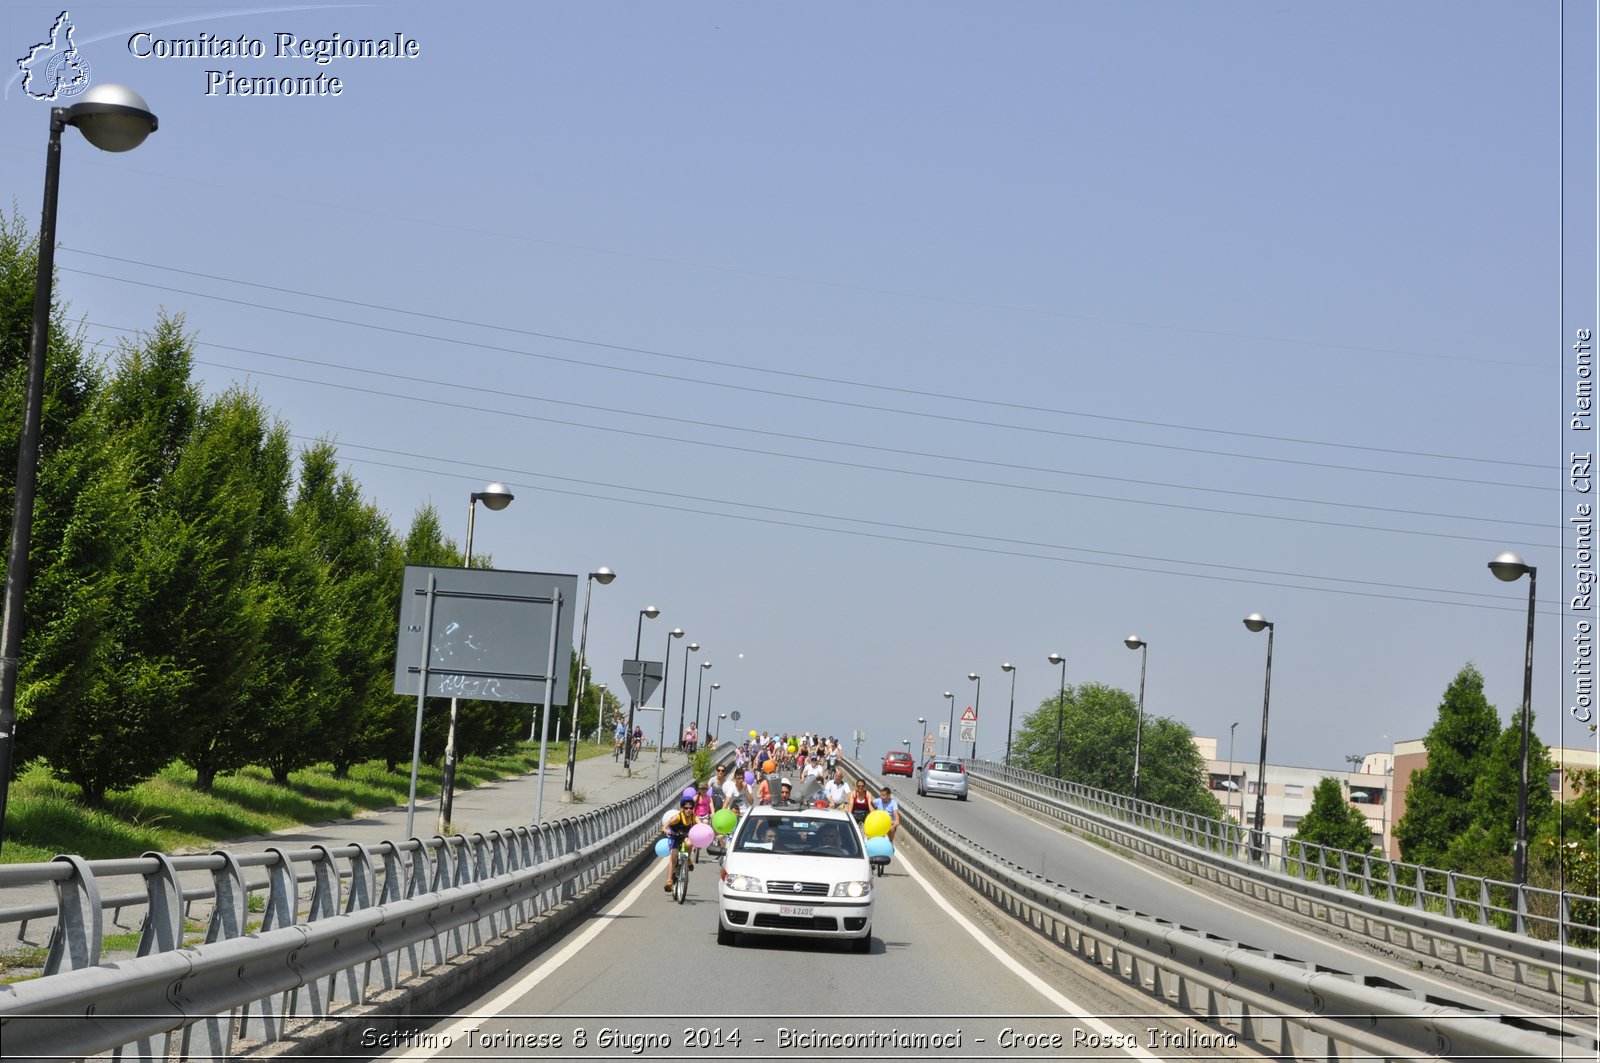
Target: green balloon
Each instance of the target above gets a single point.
(724, 820)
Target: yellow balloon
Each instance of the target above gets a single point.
(877, 824)
(752, 734)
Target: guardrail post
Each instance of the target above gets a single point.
(75, 943)
(446, 943)
(311, 1001)
(283, 903)
(211, 1036)
(363, 894)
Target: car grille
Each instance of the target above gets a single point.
(806, 889)
(772, 921)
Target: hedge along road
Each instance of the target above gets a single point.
(646, 978)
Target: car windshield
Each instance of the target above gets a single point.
(799, 837)
(944, 765)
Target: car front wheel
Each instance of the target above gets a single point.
(863, 943)
(724, 935)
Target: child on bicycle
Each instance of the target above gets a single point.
(677, 831)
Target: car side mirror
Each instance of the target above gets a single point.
(716, 851)
(875, 861)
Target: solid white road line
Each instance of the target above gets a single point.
(457, 1034)
(1043, 988)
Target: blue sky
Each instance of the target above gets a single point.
(882, 344)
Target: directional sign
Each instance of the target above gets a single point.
(635, 671)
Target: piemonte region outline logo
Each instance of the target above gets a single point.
(54, 69)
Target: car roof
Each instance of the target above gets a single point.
(774, 812)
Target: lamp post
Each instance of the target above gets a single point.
(1232, 786)
(112, 118)
(699, 688)
(1510, 568)
(1061, 705)
(1255, 622)
(1134, 642)
(600, 711)
(718, 733)
(1012, 712)
(638, 641)
(603, 577)
(710, 698)
(494, 497)
(977, 706)
(922, 750)
(666, 663)
(950, 728)
(683, 695)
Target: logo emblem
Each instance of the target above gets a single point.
(54, 68)
(797, 888)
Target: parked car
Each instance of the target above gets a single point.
(898, 762)
(943, 775)
(796, 872)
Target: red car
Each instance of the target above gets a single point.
(899, 764)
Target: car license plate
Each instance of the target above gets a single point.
(801, 911)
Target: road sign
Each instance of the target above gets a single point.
(969, 731)
(930, 744)
(734, 715)
(490, 635)
(647, 671)
(969, 716)
(944, 730)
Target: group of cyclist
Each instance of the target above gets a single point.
(746, 784)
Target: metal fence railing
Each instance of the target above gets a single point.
(339, 927)
(1496, 929)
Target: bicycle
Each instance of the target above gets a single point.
(680, 873)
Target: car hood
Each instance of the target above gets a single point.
(788, 868)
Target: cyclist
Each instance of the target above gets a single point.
(702, 813)
(860, 801)
(886, 803)
(677, 831)
(617, 736)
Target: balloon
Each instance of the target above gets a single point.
(793, 747)
(663, 847)
(668, 817)
(690, 793)
(752, 734)
(700, 835)
(749, 778)
(879, 847)
(769, 766)
(723, 820)
(877, 823)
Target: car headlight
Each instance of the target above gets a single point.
(745, 884)
(853, 889)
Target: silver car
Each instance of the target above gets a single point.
(943, 775)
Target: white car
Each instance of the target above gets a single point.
(796, 872)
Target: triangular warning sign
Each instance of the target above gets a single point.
(969, 715)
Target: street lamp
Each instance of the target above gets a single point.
(1134, 642)
(600, 711)
(977, 705)
(710, 698)
(1232, 786)
(1061, 705)
(112, 118)
(638, 641)
(718, 732)
(602, 576)
(1255, 622)
(699, 688)
(950, 728)
(1510, 568)
(1012, 712)
(495, 497)
(922, 749)
(661, 736)
(683, 695)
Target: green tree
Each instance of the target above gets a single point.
(1439, 797)
(1097, 739)
(1485, 846)
(1334, 824)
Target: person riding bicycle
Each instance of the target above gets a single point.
(677, 831)
(860, 801)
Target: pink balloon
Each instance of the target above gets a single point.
(700, 835)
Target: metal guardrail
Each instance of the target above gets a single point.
(1285, 1005)
(408, 911)
(1360, 900)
